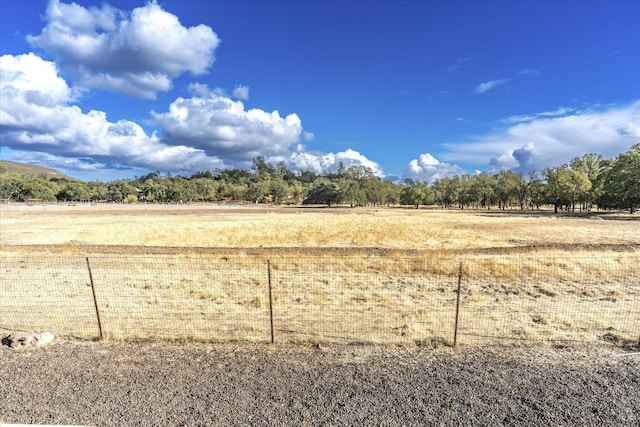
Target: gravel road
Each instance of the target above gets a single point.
(160, 384)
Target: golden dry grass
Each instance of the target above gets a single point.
(209, 226)
(525, 275)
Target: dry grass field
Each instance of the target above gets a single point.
(250, 227)
(339, 274)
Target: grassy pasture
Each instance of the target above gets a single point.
(241, 227)
(388, 275)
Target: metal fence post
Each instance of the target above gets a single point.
(270, 300)
(95, 300)
(455, 329)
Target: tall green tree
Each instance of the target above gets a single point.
(483, 188)
(559, 186)
(465, 192)
(297, 190)
(591, 165)
(260, 166)
(446, 191)
(71, 191)
(351, 192)
(536, 189)
(580, 188)
(258, 187)
(97, 191)
(416, 194)
(206, 188)
(410, 194)
(391, 193)
(118, 190)
(622, 180)
(323, 192)
(279, 190)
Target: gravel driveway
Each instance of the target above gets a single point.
(160, 384)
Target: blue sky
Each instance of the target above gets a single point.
(412, 89)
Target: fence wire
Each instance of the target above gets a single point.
(560, 298)
(344, 299)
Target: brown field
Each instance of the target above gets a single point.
(194, 225)
(365, 275)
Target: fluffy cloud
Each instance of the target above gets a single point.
(524, 159)
(322, 163)
(136, 54)
(35, 115)
(241, 92)
(220, 126)
(31, 75)
(206, 131)
(547, 139)
(428, 168)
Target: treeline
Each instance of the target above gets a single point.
(587, 181)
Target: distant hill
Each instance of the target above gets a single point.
(33, 170)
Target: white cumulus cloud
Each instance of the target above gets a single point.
(428, 168)
(540, 140)
(33, 76)
(137, 53)
(206, 131)
(222, 127)
(35, 116)
(323, 163)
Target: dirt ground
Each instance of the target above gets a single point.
(153, 384)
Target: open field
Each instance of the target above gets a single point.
(191, 226)
(364, 275)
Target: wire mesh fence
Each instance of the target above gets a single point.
(344, 299)
(559, 298)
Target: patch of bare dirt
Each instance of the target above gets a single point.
(151, 384)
